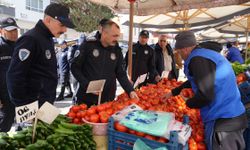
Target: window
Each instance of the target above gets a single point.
(34, 5)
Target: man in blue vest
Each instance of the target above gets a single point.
(234, 54)
(216, 94)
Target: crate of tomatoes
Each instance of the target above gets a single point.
(123, 138)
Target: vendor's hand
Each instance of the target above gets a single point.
(157, 78)
(167, 96)
(133, 95)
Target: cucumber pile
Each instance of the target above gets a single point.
(60, 135)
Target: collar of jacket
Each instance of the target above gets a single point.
(41, 27)
(7, 41)
(107, 48)
(146, 45)
(157, 47)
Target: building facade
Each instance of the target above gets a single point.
(27, 13)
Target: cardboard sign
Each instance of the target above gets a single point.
(164, 74)
(140, 80)
(48, 113)
(96, 86)
(27, 112)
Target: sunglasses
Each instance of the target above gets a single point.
(162, 40)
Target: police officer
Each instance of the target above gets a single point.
(143, 59)
(8, 37)
(64, 73)
(100, 59)
(32, 74)
(216, 94)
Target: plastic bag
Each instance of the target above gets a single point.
(184, 131)
(121, 114)
(140, 145)
(150, 122)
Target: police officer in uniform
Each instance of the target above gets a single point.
(64, 73)
(32, 74)
(216, 94)
(100, 59)
(143, 59)
(9, 34)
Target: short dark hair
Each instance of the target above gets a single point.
(109, 23)
(103, 21)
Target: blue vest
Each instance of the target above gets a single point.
(227, 102)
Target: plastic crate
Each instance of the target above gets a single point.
(125, 141)
(245, 92)
(247, 131)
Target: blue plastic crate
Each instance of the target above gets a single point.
(245, 92)
(125, 141)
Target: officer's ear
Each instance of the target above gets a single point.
(47, 19)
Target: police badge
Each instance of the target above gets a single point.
(48, 54)
(23, 54)
(96, 52)
(112, 56)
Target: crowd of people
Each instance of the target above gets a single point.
(30, 70)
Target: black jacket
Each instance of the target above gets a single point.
(97, 62)
(142, 62)
(6, 51)
(159, 61)
(32, 74)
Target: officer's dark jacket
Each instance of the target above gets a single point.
(34, 78)
(6, 51)
(159, 60)
(97, 62)
(142, 61)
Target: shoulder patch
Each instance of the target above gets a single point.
(91, 38)
(23, 54)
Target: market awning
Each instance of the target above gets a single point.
(149, 7)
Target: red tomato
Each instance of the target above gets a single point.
(83, 107)
(140, 133)
(201, 146)
(79, 115)
(100, 108)
(198, 137)
(110, 111)
(104, 118)
(76, 121)
(87, 118)
(91, 111)
(75, 108)
(71, 115)
(162, 140)
(192, 144)
(185, 93)
(94, 118)
(120, 127)
(83, 113)
(131, 131)
(150, 137)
